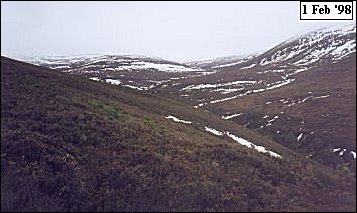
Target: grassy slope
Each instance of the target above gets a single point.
(68, 143)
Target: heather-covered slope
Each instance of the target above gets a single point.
(72, 144)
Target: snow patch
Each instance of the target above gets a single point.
(324, 96)
(113, 81)
(213, 131)
(178, 120)
(134, 87)
(248, 144)
(250, 66)
(226, 91)
(95, 79)
(231, 116)
(299, 137)
(205, 86)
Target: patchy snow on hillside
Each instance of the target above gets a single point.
(141, 65)
(330, 43)
(324, 96)
(275, 86)
(248, 144)
(134, 87)
(342, 151)
(213, 131)
(224, 99)
(200, 86)
(344, 50)
(280, 84)
(112, 81)
(206, 86)
(110, 63)
(231, 116)
(62, 67)
(272, 120)
(241, 141)
(299, 137)
(95, 79)
(247, 67)
(177, 120)
(226, 91)
(227, 65)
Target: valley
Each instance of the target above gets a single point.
(271, 131)
(301, 93)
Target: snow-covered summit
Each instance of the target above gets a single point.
(330, 43)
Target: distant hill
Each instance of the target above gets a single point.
(138, 72)
(221, 62)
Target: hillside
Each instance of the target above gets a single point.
(72, 144)
(314, 114)
(308, 107)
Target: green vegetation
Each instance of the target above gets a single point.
(71, 144)
(111, 111)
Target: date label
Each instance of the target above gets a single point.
(342, 10)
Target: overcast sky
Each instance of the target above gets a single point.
(173, 30)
